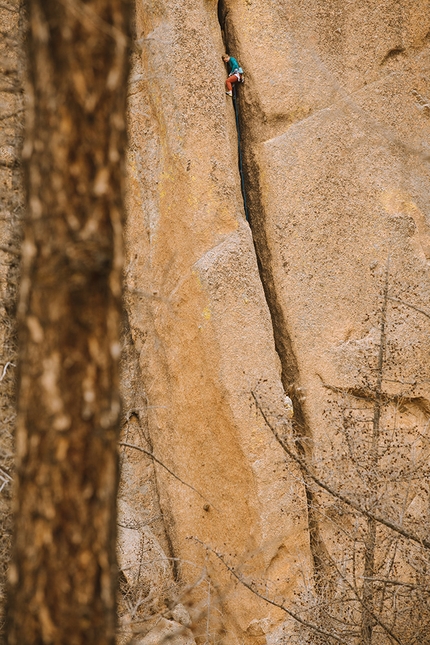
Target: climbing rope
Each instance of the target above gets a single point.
(239, 149)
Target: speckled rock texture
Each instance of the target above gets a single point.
(334, 118)
(199, 319)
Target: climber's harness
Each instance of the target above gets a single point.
(239, 74)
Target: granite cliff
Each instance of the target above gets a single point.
(317, 297)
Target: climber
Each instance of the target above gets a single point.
(235, 73)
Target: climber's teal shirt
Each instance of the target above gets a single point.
(233, 65)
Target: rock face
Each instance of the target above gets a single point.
(199, 319)
(331, 307)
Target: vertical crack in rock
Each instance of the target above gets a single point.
(136, 406)
(167, 536)
(249, 113)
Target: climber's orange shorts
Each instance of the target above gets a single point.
(229, 82)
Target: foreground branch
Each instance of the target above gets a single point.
(249, 586)
(346, 500)
(160, 463)
(408, 304)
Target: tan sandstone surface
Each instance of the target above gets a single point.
(334, 118)
(200, 322)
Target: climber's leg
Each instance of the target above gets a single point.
(229, 82)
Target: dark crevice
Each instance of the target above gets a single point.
(393, 53)
(247, 113)
(290, 374)
(130, 363)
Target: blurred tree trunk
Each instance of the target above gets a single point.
(63, 574)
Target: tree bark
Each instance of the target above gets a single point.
(62, 581)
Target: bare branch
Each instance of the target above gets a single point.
(249, 586)
(160, 463)
(346, 500)
(401, 583)
(408, 304)
(5, 369)
(367, 599)
(367, 607)
(369, 395)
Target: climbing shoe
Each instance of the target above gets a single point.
(229, 93)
